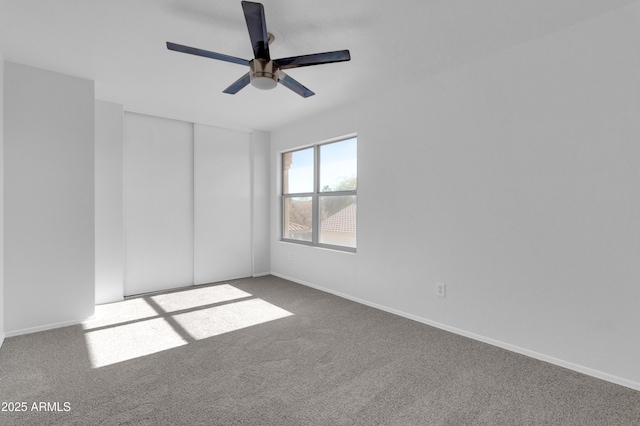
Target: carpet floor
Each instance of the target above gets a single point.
(266, 351)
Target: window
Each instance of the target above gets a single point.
(319, 194)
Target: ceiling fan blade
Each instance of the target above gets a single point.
(257, 26)
(292, 84)
(206, 53)
(238, 84)
(313, 59)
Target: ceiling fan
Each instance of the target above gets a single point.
(265, 73)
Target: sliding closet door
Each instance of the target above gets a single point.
(222, 178)
(158, 204)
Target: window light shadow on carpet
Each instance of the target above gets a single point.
(146, 325)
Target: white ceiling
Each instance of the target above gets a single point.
(120, 44)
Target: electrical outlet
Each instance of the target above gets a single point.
(441, 290)
(289, 256)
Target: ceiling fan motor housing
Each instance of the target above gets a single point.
(264, 74)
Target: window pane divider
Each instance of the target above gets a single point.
(337, 193)
(298, 194)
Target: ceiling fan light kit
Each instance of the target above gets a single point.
(265, 73)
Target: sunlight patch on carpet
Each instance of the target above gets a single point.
(210, 322)
(121, 343)
(198, 297)
(147, 325)
(119, 312)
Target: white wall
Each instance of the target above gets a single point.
(1, 199)
(109, 217)
(49, 199)
(261, 218)
(515, 181)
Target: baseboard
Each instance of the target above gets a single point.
(43, 327)
(109, 300)
(1, 339)
(532, 354)
(261, 274)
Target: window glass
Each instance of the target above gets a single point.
(338, 220)
(297, 171)
(298, 218)
(339, 166)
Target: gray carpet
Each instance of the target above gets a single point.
(265, 351)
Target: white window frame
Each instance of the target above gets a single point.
(315, 197)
